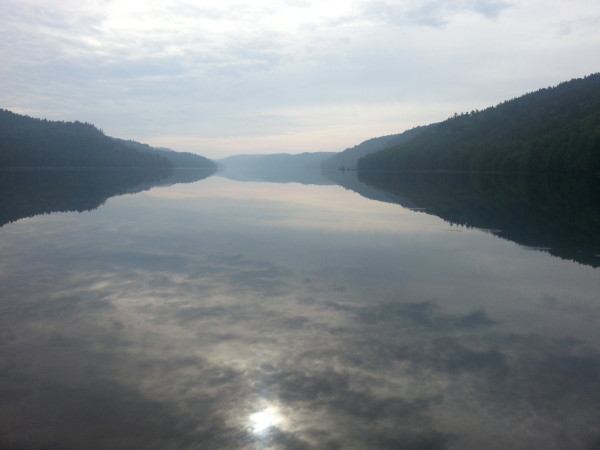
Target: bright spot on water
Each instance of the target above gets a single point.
(265, 419)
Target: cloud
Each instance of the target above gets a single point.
(432, 13)
(490, 9)
(220, 76)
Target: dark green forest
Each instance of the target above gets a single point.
(29, 142)
(555, 129)
(177, 159)
(348, 158)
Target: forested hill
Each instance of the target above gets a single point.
(177, 159)
(348, 158)
(31, 142)
(551, 130)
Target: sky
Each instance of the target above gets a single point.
(224, 77)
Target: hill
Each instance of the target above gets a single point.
(348, 158)
(177, 159)
(555, 129)
(302, 168)
(29, 142)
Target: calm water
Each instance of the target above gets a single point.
(230, 314)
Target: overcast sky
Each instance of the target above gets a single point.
(226, 77)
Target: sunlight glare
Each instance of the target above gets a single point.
(263, 420)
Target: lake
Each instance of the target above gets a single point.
(224, 313)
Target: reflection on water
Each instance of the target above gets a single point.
(555, 213)
(274, 175)
(221, 314)
(29, 192)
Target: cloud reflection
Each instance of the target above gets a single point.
(231, 336)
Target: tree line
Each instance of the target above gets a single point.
(30, 142)
(554, 129)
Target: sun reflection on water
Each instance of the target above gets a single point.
(265, 419)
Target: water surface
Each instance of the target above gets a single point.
(228, 314)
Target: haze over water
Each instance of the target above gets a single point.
(230, 314)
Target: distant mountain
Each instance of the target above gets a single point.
(551, 130)
(276, 161)
(302, 168)
(348, 158)
(29, 142)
